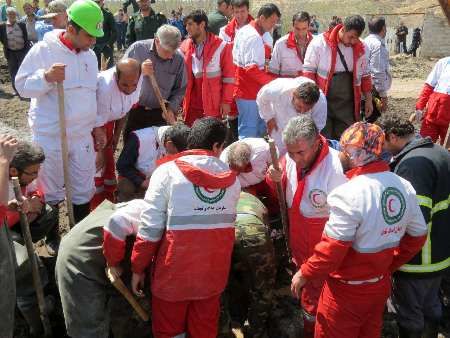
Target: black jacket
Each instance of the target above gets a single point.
(109, 30)
(427, 166)
(4, 38)
(126, 164)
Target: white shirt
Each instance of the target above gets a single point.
(378, 59)
(260, 160)
(112, 103)
(439, 78)
(274, 100)
(347, 52)
(248, 48)
(80, 87)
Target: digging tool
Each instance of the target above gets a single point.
(161, 100)
(25, 227)
(120, 286)
(65, 154)
(281, 196)
(104, 62)
(446, 143)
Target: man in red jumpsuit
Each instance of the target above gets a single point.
(210, 71)
(187, 235)
(310, 171)
(375, 226)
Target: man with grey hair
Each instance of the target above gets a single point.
(310, 170)
(284, 98)
(54, 18)
(167, 65)
(14, 38)
(250, 158)
(3, 16)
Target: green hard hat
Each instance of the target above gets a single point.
(88, 15)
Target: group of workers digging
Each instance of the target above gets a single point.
(186, 221)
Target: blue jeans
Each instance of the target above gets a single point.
(250, 124)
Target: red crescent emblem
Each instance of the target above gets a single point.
(390, 205)
(209, 190)
(313, 197)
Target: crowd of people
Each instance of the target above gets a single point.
(185, 209)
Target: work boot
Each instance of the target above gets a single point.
(33, 320)
(308, 326)
(80, 211)
(431, 330)
(407, 333)
(53, 237)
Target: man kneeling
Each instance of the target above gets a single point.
(140, 155)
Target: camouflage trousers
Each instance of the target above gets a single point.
(247, 299)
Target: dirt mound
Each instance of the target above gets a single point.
(407, 67)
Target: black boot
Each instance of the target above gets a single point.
(80, 211)
(33, 320)
(53, 237)
(431, 330)
(407, 333)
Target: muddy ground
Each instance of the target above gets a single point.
(409, 75)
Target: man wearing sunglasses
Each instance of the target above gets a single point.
(43, 220)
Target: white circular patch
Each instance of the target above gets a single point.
(318, 198)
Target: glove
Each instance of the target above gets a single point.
(418, 116)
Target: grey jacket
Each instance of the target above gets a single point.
(170, 75)
(378, 58)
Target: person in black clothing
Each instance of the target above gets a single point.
(105, 44)
(416, 42)
(426, 166)
(401, 33)
(140, 154)
(143, 24)
(121, 26)
(133, 3)
(14, 37)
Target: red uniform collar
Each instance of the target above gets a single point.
(325, 149)
(230, 29)
(370, 168)
(291, 43)
(202, 177)
(255, 26)
(172, 157)
(66, 42)
(332, 38)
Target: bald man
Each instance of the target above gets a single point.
(117, 91)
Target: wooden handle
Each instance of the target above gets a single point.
(274, 154)
(65, 154)
(447, 138)
(161, 100)
(120, 286)
(412, 117)
(280, 195)
(25, 227)
(104, 62)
